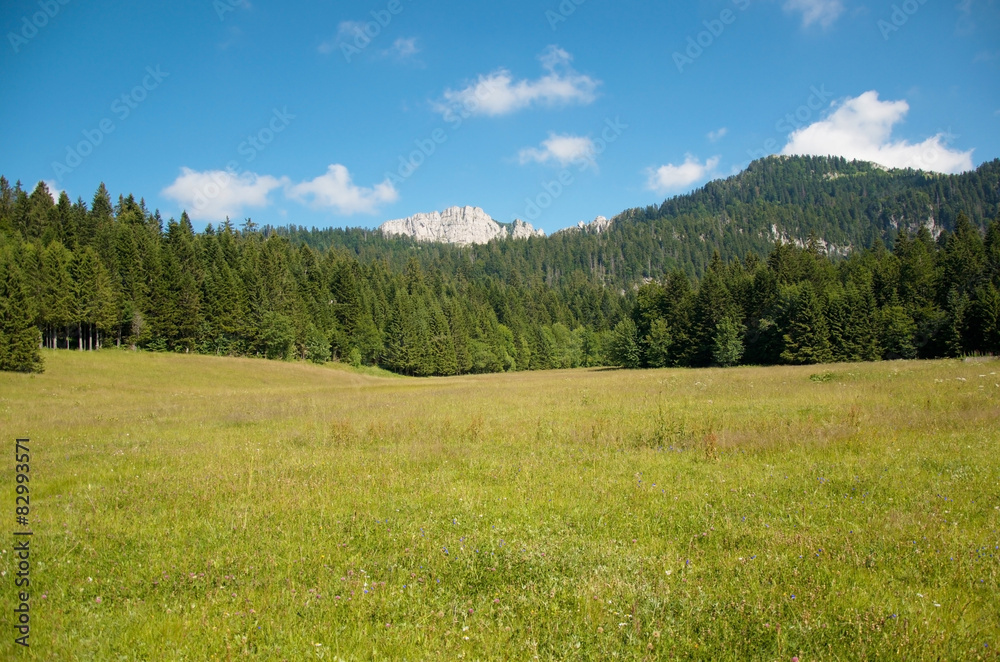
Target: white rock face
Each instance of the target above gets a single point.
(522, 230)
(457, 225)
(597, 226)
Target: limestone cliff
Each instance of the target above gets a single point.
(457, 225)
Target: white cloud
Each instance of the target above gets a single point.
(336, 191)
(214, 194)
(824, 12)
(672, 177)
(563, 150)
(861, 128)
(404, 48)
(499, 94)
(716, 136)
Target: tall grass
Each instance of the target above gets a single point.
(195, 508)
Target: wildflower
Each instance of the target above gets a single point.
(98, 600)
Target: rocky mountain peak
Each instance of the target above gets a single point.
(457, 225)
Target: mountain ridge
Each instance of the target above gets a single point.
(843, 205)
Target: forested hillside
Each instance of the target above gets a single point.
(845, 204)
(749, 269)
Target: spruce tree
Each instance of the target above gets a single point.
(624, 350)
(58, 291)
(658, 344)
(19, 337)
(317, 345)
(727, 347)
(807, 339)
(896, 333)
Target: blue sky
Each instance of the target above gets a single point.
(352, 113)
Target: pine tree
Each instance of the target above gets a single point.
(396, 351)
(443, 357)
(277, 336)
(658, 344)
(41, 214)
(97, 218)
(728, 343)
(624, 350)
(19, 337)
(807, 339)
(58, 289)
(713, 304)
(85, 295)
(897, 331)
(982, 332)
(963, 260)
(992, 251)
(106, 313)
(6, 208)
(317, 345)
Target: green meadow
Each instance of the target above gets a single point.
(200, 508)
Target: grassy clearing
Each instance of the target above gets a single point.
(190, 508)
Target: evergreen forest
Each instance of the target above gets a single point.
(796, 260)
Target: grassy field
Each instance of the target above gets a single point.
(194, 508)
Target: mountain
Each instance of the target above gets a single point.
(843, 205)
(457, 225)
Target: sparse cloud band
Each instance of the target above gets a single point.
(561, 150)
(498, 93)
(212, 195)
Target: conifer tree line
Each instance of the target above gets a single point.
(81, 277)
(925, 298)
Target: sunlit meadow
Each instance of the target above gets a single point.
(195, 508)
